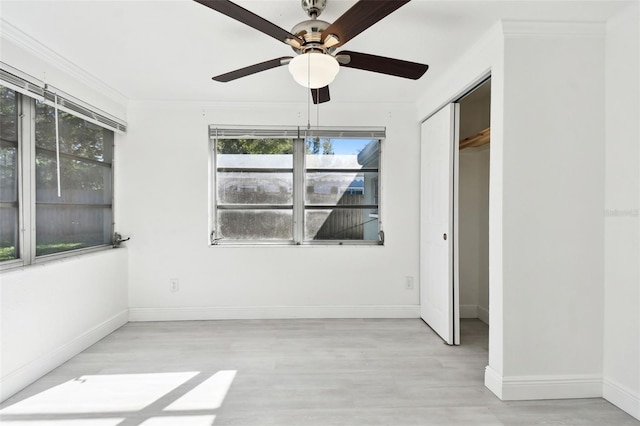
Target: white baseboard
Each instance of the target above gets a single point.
(517, 388)
(483, 314)
(468, 311)
(272, 312)
(621, 397)
(493, 381)
(29, 373)
(475, 311)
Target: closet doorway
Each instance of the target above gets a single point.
(473, 202)
(454, 217)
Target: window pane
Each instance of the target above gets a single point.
(70, 227)
(255, 153)
(8, 173)
(45, 126)
(9, 225)
(77, 136)
(254, 172)
(255, 224)
(255, 176)
(326, 188)
(255, 188)
(82, 182)
(341, 224)
(82, 216)
(83, 139)
(8, 115)
(342, 153)
(8, 233)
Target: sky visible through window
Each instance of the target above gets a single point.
(348, 146)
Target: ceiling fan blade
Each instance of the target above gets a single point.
(381, 64)
(361, 16)
(252, 69)
(320, 95)
(241, 14)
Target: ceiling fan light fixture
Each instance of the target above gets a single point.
(314, 70)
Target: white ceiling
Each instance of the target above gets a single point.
(169, 50)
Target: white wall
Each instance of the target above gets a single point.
(473, 199)
(546, 201)
(165, 190)
(50, 312)
(553, 193)
(622, 185)
(473, 235)
(21, 51)
(550, 252)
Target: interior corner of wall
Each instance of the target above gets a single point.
(29, 55)
(622, 397)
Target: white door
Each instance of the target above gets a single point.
(439, 303)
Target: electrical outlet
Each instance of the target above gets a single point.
(408, 283)
(174, 285)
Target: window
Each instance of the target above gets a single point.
(79, 215)
(255, 189)
(56, 180)
(9, 207)
(287, 187)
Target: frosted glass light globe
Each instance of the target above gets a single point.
(324, 69)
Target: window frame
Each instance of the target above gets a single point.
(27, 150)
(19, 260)
(214, 198)
(298, 136)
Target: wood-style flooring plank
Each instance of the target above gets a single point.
(286, 372)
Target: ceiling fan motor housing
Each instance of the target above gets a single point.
(311, 32)
(314, 7)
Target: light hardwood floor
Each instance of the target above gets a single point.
(285, 372)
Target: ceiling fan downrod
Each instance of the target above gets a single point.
(314, 8)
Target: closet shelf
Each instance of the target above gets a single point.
(479, 139)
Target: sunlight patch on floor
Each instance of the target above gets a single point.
(208, 395)
(179, 421)
(67, 422)
(152, 399)
(101, 394)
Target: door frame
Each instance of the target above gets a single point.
(466, 90)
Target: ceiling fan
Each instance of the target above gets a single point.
(315, 41)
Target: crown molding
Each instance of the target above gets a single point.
(547, 28)
(23, 40)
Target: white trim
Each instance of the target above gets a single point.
(272, 312)
(546, 28)
(516, 388)
(493, 381)
(468, 311)
(58, 99)
(622, 397)
(25, 41)
(206, 105)
(551, 387)
(27, 374)
(483, 314)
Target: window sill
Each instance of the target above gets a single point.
(305, 245)
(18, 265)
